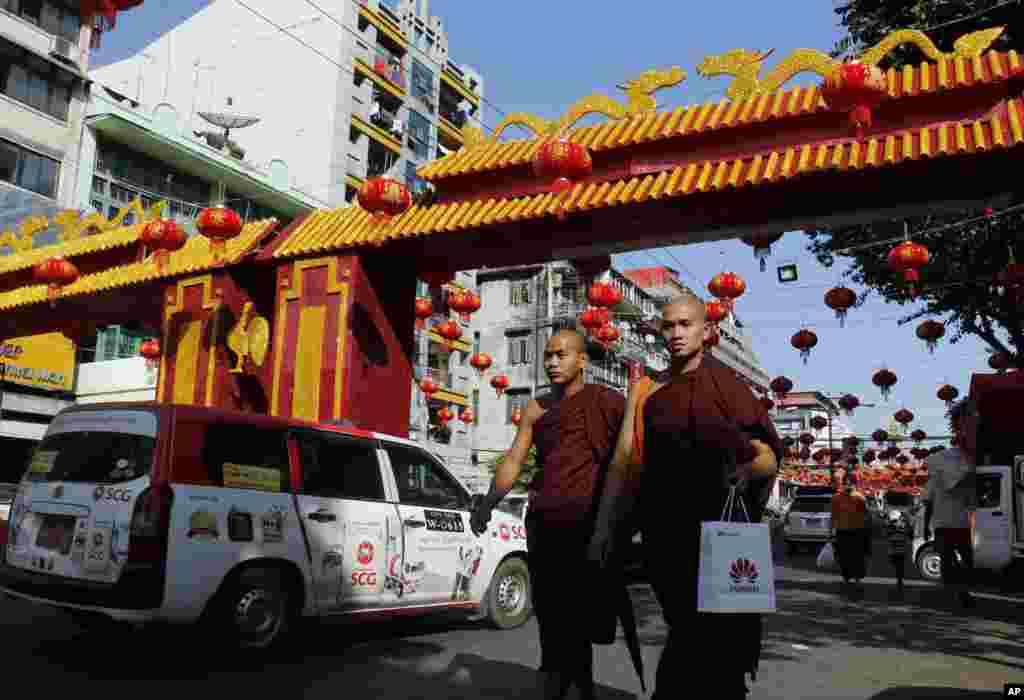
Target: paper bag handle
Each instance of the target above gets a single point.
(730, 503)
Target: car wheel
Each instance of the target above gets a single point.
(256, 610)
(508, 597)
(929, 564)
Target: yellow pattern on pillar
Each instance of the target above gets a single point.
(309, 363)
(186, 362)
(175, 304)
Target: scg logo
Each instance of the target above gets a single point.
(107, 493)
(364, 578)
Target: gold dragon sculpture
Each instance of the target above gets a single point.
(73, 225)
(745, 65)
(640, 98)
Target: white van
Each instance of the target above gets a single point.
(143, 512)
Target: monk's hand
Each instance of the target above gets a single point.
(599, 547)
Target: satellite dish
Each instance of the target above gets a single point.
(228, 121)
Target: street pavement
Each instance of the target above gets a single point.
(821, 643)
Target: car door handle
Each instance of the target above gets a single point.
(413, 522)
(322, 516)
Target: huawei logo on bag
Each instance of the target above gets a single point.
(743, 570)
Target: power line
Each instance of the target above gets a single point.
(975, 15)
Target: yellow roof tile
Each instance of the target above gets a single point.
(69, 249)
(195, 256)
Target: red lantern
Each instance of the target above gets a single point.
(424, 310)
(218, 225)
(466, 416)
(806, 439)
(594, 318)
(947, 393)
(150, 349)
(781, 386)
(820, 456)
(500, 383)
(819, 422)
(855, 88)
(564, 161)
(767, 403)
(450, 330)
(607, 335)
(902, 459)
(848, 402)
(163, 236)
(464, 302)
(712, 340)
(481, 362)
(999, 361)
(445, 415)
(880, 436)
(727, 287)
(603, 294)
(384, 198)
(805, 453)
(841, 300)
(804, 340)
(762, 245)
(716, 311)
(428, 386)
(908, 257)
(885, 380)
(930, 332)
(56, 273)
(918, 436)
(903, 417)
(517, 416)
(434, 278)
(869, 456)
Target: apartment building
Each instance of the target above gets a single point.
(363, 89)
(792, 417)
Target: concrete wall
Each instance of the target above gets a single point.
(127, 379)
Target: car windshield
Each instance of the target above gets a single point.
(812, 505)
(91, 457)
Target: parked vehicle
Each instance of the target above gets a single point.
(142, 512)
(515, 504)
(809, 521)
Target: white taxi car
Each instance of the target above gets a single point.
(143, 512)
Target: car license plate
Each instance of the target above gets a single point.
(56, 533)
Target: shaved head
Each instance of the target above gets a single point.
(566, 358)
(687, 300)
(573, 338)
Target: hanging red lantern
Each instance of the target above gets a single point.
(767, 403)
(150, 349)
(903, 417)
(999, 361)
(436, 278)
(712, 340)
(908, 257)
(466, 416)
(781, 386)
(716, 311)
(848, 402)
(163, 237)
(918, 436)
(880, 436)
(947, 393)
(218, 225)
(855, 88)
(803, 340)
(727, 287)
(607, 335)
(805, 453)
(819, 422)
(930, 332)
(384, 198)
(840, 300)
(481, 362)
(445, 415)
(428, 386)
(564, 161)
(820, 456)
(424, 310)
(869, 456)
(603, 294)
(464, 302)
(885, 380)
(762, 245)
(517, 416)
(500, 383)
(56, 273)
(807, 439)
(902, 459)
(450, 330)
(594, 318)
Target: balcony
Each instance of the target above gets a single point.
(383, 15)
(450, 127)
(383, 67)
(453, 77)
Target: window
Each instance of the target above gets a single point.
(419, 134)
(517, 399)
(117, 342)
(27, 169)
(423, 84)
(812, 505)
(34, 81)
(246, 456)
(989, 487)
(422, 482)
(52, 16)
(520, 349)
(519, 292)
(92, 457)
(340, 467)
(415, 183)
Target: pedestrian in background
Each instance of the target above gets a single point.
(850, 532)
(898, 533)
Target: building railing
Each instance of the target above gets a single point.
(387, 65)
(453, 116)
(458, 75)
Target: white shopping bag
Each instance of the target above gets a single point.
(827, 558)
(736, 572)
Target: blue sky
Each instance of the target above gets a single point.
(541, 56)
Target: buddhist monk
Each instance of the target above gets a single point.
(574, 428)
(687, 436)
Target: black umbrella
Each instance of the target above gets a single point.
(628, 620)
(610, 587)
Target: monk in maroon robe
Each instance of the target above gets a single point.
(574, 428)
(687, 436)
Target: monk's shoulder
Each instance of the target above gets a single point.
(608, 396)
